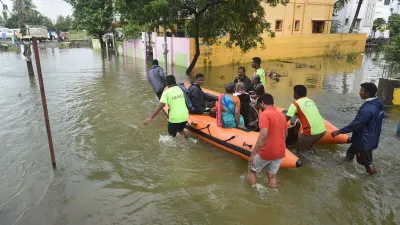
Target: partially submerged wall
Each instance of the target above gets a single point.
(284, 47)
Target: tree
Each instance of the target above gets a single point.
(394, 24)
(241, 21)
(95, 16)
(63, 23)
(392, 52)
(340, 4)
(30, 15)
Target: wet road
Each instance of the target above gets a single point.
(113, 170)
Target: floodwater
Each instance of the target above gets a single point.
(113, 170)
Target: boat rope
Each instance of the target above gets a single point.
(230, 138)
(206, 127)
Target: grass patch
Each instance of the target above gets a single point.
(352, 55)
(79, 35)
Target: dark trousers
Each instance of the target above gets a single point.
(363, 157)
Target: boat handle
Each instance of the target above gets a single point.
(247, 145)
(193, 124)
(229, 138)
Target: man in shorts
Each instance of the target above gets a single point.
(311, 120)
(270, 147)
(178, 112)
(366, 128)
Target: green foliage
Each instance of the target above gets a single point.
(379, 22)
(131, 31)
(333, 50)
(241, 21)
(63, 23)
(351, 56)
(78, 35)
(392, 50)
(335, 26)
(394, 24)
(95, 16)
(30, 16)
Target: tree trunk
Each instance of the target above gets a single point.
(101, 41)
(197, 54)
(355, 16)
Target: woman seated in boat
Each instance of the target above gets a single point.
(228, 109)
(244, 101)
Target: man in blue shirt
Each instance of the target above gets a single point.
(366, 128)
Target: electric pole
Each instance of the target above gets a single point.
(27, 47)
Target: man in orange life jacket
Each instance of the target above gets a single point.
(311, 120)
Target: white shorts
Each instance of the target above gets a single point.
(271, 166)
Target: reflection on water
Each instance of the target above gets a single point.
(113, 170)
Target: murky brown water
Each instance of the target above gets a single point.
(113, 170)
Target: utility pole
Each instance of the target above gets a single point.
(165, 48)
(44, 102)
(27, 47)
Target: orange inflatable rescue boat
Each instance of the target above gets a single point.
(294, 127)
(237, 141)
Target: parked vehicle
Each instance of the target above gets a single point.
(9, 33)
(40, 32)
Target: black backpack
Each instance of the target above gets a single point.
(189, 104)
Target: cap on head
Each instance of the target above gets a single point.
(267, 99)
(230, 88)
(170, 80)
(300, 90)
(370, 88)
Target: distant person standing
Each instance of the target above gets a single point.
(256, 64)
(366, 128)
(244, 79)
(178, 112)
(270, 146)
(311, 120)
(157, 78)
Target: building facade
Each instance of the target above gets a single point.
(370, 11)
(300, 17)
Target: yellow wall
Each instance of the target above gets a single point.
(284, 47)
(396, 96)
(303, 10)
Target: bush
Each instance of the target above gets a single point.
(352, 55)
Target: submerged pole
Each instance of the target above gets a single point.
(165, 48)
(44, 103)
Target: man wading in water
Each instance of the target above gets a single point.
(270, 146)
(366, 128)
(178, 112)
(157, 78)
(312, 122)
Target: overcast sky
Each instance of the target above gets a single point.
(49, 8)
